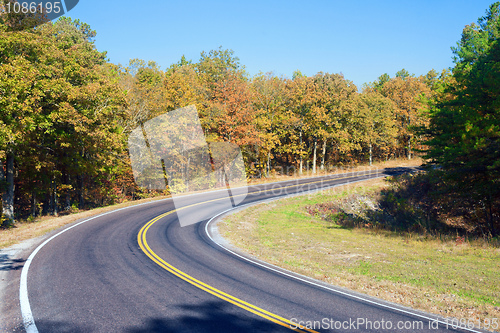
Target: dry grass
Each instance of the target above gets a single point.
(441, 275)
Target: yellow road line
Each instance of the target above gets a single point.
(143, 244)
(203, 286)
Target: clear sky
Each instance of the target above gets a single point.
(361, 39)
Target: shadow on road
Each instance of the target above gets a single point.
(400, 170)
(215, 316)
(9, 264)
(207, 317)
(61, 327)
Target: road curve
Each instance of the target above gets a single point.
(136, 270)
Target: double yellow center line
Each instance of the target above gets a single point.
(143, 244)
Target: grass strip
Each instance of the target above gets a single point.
(441, 274)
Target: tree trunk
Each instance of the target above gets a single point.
(301, 162)
(33, 204)
(409, 147)
(81, 202)
(67, 204)
(314, 155)
(3, 187)
(268, 162)
(188, 174)
(371, 153)
(409, 139)
(335, 153)
(323, 157)
(490, 219)
(8, 192)
(80, 178)
(56, 212)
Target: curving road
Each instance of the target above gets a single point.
(136, 270)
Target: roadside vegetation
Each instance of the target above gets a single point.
(321, 235)
(407, 205)
(66, 113)
(463, 135)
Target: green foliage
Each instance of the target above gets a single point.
(403, 74)
(431, 79)
(297, 74)
(12, 21)
(216, 64)
(375, 123)
(416, 203)
(408, 205)
(59, 111)
(464, 131)
(382, 79)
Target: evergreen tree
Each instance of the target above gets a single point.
(465, 129)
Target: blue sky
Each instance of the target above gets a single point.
(361, 39)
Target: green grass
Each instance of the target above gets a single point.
(432, 273)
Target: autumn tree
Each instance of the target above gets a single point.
(403, 74)
(183, 86)
(61, 126)
(302, 99)
(143, 84)
(407, 94)
(214, 66)
(376, 123)
(272, 118)
(232, 115)
(337, 97)
(381, 80)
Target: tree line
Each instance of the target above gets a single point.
(66, 112)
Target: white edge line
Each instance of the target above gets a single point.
(28, 320)
(306, 279)
(27, 314)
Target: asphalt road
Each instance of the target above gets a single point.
(136, 270)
